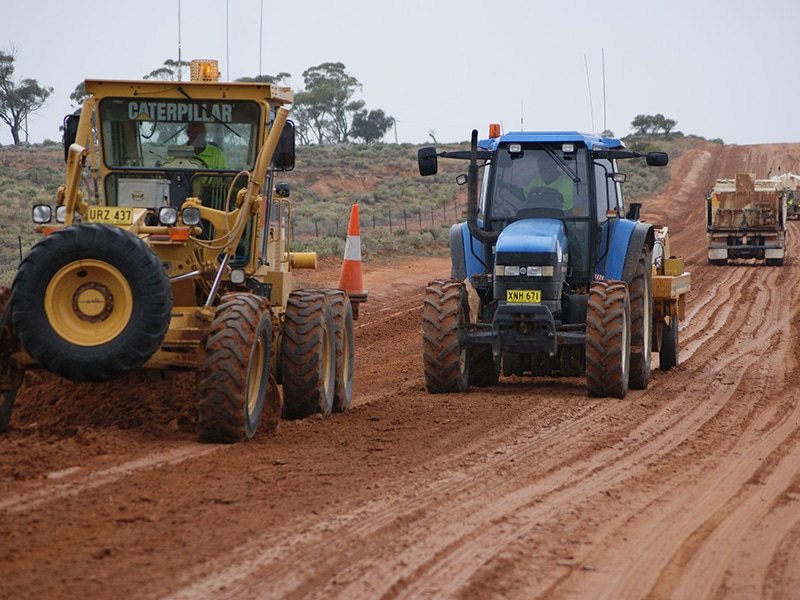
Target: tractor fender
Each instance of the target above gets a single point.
(465, 253)
(627, 238)
(642, 236)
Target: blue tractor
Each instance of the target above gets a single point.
(550, 275)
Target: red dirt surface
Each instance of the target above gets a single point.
(529, 489)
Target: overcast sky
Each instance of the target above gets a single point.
(720, 68)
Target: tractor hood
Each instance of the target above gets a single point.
(545, 236)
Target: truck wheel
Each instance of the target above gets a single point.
(608, 339)
(445, 360)
(308, 355)
(641, 294)
(484, 370)
(345, 349)
(234, 382)
(10, 377)
(91, 302)
(774, 262)
(668, 354)
(718, 262)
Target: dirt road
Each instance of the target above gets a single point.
(530, 489)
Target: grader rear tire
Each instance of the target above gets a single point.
(608, 339)
(641, 296)
(445, 360)
(345, 349)
(235, 378)
(308, 355)
(91, 302)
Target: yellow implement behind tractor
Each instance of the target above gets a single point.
(169, 247)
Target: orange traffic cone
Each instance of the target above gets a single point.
(350, 279)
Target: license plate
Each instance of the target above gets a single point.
(111, 215)
(526, 296)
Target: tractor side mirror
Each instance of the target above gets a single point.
(427, 161)
(657, 159)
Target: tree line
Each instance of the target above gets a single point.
(325, 111)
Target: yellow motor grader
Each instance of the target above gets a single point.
(168, 247)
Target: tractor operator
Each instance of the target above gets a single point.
(210, 154)
(551, 176)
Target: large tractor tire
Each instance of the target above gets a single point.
(308, 355)
(668, 353)
(641, 295)
(91, 302)
(235, 381)
(10, 376)
(608, 339)
(345, 349)
(445, 360)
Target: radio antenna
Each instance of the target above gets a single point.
(180, 64)
(589, 86)
(603, 56)
(260, 38)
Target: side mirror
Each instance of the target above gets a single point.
(70, 132)
(285, 152)
(657, 159)
(427, 161)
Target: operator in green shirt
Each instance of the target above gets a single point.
(210, 154)
(551, 176)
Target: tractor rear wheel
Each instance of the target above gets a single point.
(445, 360)
(91, 302)
(668, 353)
(10, 376)
(608, 339)
(308, 355)
(235, 379)
(345, 349)
(641, 295)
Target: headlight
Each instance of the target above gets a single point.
(168, 215)
(42, 213)
(61, 213)
(190, 216)
(237, 276)
(511, 271)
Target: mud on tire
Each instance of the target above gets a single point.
(445, 360)
(608, 339)
(308, 355)
(235, 379)
(91, 302)
(641, 296)
(345, 349)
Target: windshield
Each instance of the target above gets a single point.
(539, 181)
(186, 134)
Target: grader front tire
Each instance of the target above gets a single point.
(236, 372)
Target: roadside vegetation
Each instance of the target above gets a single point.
(400, 212)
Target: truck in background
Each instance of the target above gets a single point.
(746, 219)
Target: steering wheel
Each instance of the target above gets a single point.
(545, 197)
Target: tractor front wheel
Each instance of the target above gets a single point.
(445, 359)
(608, 339)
